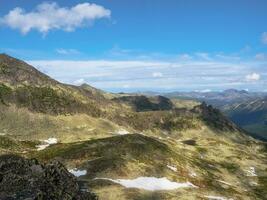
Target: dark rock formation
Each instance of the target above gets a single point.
(214, 118)
(22, 178)
(143, 103)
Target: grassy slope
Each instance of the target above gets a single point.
(83, 119)
(135, 155)
(217, 155)
(25, 125)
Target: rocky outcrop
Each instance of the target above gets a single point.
(214, 118)
(22, 178)
(143, 103)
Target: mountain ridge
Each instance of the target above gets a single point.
(106, 139)
(53, 97)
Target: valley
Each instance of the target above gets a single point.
(246, 109)
(128, 146)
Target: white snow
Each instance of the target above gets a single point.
(193, 174)
(253, 183)
(150, 183)
(172, 168)
(46, 144)
(201, 156)
(217, 198)
(122, 132)
(251, 171)
(76, 172)
(210, 165)
(51, 141)
(42, 147)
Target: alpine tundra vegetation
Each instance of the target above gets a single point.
(133, 100)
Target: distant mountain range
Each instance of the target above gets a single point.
(219, 99)
(251, 115)
(120, 146)
(247, 109)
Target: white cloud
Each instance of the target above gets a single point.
(49, 16)
(203, 55)
(117, 51)
(222, 56)
(133, 75)
(126, 86)
(253, 77)
(67, 51)
(157, 74)
(184, 56)
(264, 38)
(203, 91)
(79, 81)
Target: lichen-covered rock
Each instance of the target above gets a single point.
(22, 178)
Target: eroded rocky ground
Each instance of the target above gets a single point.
(22, 178)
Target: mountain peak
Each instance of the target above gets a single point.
(235, 91)
(4, 55)
(16, 72)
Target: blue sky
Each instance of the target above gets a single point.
(125, 45)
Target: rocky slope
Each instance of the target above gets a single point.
(23, 85)
(123, 146)
(247, 109)
(143, 103)
(252, 115)
(28, 179)
(209, 166)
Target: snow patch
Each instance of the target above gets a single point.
(46, 144)
(172, 168)
(217, 198)
(122, 132)
(76, 172)
(251, 171)
(193, 174)
(150, 183)
(253, 183)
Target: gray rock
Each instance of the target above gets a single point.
(22, 178)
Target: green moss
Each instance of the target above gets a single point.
(260, 191)
(52, 101)
(165, 120)
(4, 91)
(7, 143)
(4, 68)
(10, 145)
(117, 155)
(133, 144)
(201, 150)
(231, 167)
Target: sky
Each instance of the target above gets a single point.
(141, 45)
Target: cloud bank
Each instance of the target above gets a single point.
(49, 16)
(253, 77)
(158, 75)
